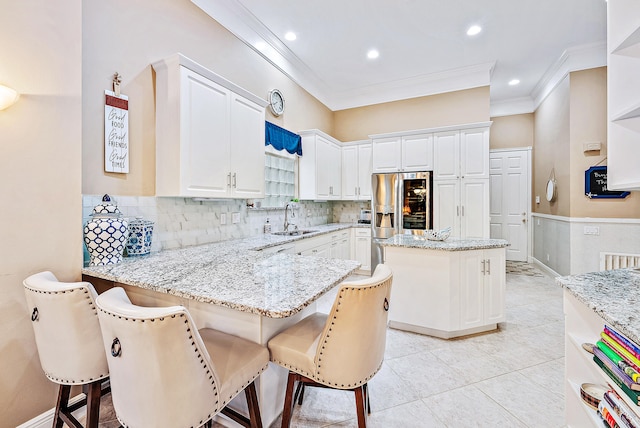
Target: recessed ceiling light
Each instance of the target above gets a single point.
(291, 36)
(514, 82)
(260, 46)
(473, 30)
(373, 54)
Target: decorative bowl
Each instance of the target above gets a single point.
(437, 235)
(592, 394)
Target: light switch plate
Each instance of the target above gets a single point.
(223, 218)
(235, 218)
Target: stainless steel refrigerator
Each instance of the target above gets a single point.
(401, 203)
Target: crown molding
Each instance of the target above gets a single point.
(511, 106)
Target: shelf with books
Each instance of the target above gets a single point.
(588, 411)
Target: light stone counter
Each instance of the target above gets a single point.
(614, 295)
(234, 274)
(450, 244)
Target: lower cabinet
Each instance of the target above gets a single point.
(446, 293)
(331, 245)
(463, 205)
(362, 248)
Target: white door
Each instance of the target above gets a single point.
(510, 195)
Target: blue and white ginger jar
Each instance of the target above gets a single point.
(106, 234)
(140, 234)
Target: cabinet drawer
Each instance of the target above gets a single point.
(363, 232)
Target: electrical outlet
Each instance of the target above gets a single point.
(537, 199)
(235, 218)
(591, 230)
(223, 218)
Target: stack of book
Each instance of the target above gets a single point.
(619, 358)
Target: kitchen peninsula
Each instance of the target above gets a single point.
(446, 288)
(233, 286)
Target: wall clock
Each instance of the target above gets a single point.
(276, 102)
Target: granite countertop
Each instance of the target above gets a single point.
(450, 244)
(235, 274)
(261, 242)
(612, 294)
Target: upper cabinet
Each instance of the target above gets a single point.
(623, 101)
(356, 171)
(209, 134)
(461, 154)
(320, 166)
(396, 152)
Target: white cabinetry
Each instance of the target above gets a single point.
(461, 182)
(209, 134)
(356, 171)
(320, 166)
(340, 247)
(331, 245)
(361, 248)
(397, 152)
(446, 293)
(623, 101)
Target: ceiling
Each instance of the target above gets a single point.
(423, 45)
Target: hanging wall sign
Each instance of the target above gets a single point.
(116, 130)
(595, 184)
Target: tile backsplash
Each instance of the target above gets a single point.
(183, 222)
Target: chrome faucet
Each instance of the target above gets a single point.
(286, 221)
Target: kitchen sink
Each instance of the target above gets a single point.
(294, 232)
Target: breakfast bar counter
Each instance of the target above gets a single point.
(233, 287)
(447, 288)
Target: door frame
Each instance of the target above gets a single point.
(528, 150)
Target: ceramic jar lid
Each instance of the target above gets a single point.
(106, 208)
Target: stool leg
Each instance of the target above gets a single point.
(366, 398)
(61, 405)
(362, 421)
(288, 400)
(252, 403)
(93, 404)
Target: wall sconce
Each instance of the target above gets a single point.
(8, 97)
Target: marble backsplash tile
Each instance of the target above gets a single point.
(183, 222)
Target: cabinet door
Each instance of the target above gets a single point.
(446, 155)
(364, 171)
(386, 155)
(417, 153)
(323, 168)
(494, 286)
(474, 153)
(204, 137)
(363, 252)
(474, 209)
(472, 299)
(334, 169)
(446, 205)
(247, 148)
(350, 173)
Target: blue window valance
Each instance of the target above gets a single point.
(281, 139)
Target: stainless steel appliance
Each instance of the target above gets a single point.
(401, 203)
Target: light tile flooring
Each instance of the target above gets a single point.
(509, 378)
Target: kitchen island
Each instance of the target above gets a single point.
(592, 300)
(235, 287)
(446, 288)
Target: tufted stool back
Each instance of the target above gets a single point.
(343, 350)
(67, 332)
(66, 328)
(158, 364)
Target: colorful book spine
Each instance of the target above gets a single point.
(620, 374)
(620, 349)
(607, 415)
(618, 405)
(633, 395)
(621, 339)
(613, 356)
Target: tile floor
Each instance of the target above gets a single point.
(509, 378)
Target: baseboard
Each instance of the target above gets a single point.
(546, 269)
(45, 420)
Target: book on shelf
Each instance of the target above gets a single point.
(607, 415)
(617, 404)
(619, 360)
(624, 341)
(620, 350)
(620, 374)
(633, 395)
